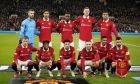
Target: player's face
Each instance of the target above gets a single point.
(105, 16)
(46, 45)
(67, 45)
(88, 45)
(24, 42)
(86, 12)
(46, 14)
(31, 14)
(67, 16)
(119, 43)
(104, 41)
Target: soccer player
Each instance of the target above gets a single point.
(66, 29)
(86, 24)
(22, 57)
(28, 27)
(107, 26)
(67, 57)
(45, 25)
(119, 52)
(45, 58)
(89, 57)
(103, 49)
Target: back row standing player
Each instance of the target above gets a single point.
(45, 25)
(107, 26)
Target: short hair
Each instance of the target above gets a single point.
(66, 41)
(118, 38)
(25, 37)
(86, 8)
(88, 41)
(103, 37)
(67, 12)
(45, 10)
(30, 10)
(46, 41)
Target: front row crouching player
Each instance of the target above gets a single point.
(120, 52)
(67, 57)
(89, 57)
(45, 58)
(22, 57)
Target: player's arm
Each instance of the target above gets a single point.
(114, 30)
(16, 55)
(37, 30)
(71, 59)
(58, 27)
(62, 63)
(53, 55)
(83, 61)
(127, 54)
(33, 48)
(97, 57)
(22, 31)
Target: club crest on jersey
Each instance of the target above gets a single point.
(69, 52)
(89, 21)
(49, 24)
(105, 49)
(106, 24)
(122, 52)
(42, 23)
(70, 25)
(49, 53)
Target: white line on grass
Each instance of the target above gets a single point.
(132, 45)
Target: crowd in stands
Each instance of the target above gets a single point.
(124, 12)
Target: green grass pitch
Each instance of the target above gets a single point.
(9, 42)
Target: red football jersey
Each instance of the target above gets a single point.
(67, 54)
(102, 50)
(23, 53)
(45, 55)
(90, 55)
(121, 53)
(85, 27)
(45, 27)
(106, 28)
(66, 30)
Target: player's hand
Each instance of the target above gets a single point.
(102, 60)
(84, 75)
(18, 67)
(64, 76)
(20, 41)
(120, 59)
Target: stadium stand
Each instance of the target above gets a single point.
(125, 12)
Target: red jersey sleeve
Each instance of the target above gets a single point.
(127, 54)
(77, 20)
(16, 54)
(96, 57)
(114, 30)
(59, 27)
(33, 48)
(38, 55)
(38, 24)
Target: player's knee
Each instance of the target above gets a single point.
(30, 63)
(35, 63)
(13, 64)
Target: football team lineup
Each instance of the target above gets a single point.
(56, 45)
(108, 56)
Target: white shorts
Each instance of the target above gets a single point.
(40, 63)
(23, 62)
(40, 44)
(62, 44)
(88, 62)
(81, 44)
